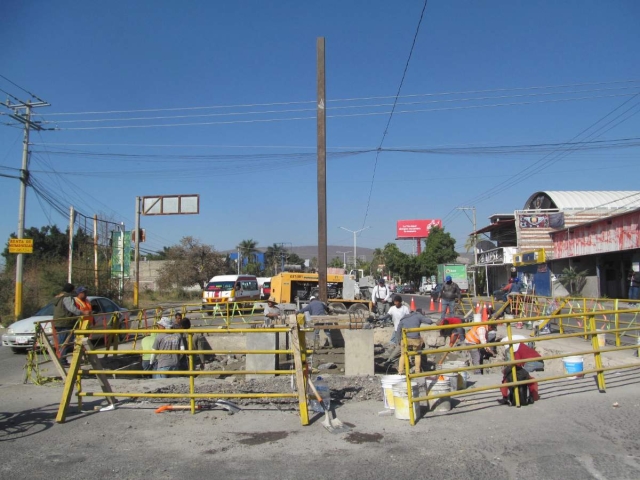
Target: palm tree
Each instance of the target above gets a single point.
(248, 250)
(273, 256)
(470, 243)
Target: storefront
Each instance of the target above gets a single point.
(497, 263)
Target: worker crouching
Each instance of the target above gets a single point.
(414, 340)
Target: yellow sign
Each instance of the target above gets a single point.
(529, 258)
(21, 245)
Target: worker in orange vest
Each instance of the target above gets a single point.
(477, 335)
(83, 303)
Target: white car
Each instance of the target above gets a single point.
(21, 336)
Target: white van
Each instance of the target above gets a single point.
(230, 288)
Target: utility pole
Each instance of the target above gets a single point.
(72, 221)
(25, 119)
(344, 259)
(475, 248)
(322, 172)
(355, 251)
(136, 256)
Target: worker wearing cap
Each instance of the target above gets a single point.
(313, 309)
(168, 341)
(449, 295)
(271, 312)
(381, 296)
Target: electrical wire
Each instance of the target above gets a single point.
(248, 105)
(367, 114)
(430, 102)
(23, 89)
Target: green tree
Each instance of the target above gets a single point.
(439, 248)
(248, 250)
(573, 280)
(190, 263)
(273, 258)
(336, 262)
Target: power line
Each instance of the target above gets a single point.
(23, 89)
(247, 105)
(343, 107)
(517, 177)
(367, 114)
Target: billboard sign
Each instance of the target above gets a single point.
(171, 205)
(416, 228)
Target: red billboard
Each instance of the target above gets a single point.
(416, 228)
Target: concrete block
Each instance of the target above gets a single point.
(261, 341)
(358, 352)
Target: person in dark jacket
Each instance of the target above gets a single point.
(414, 340)
(65, 316)
(450, 295)
(313, 309)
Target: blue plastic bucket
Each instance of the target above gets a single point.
(573, 364)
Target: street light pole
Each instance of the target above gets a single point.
(344, 259)
(355, 255)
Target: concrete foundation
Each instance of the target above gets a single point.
(261, 341)
(358, 352)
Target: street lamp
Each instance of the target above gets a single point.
(355, 256)
(344, 259)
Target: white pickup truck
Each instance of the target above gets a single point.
(426, 288)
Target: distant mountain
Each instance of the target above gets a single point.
(309, 251)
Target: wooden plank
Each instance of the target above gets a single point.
(44, 340)
(96, 364)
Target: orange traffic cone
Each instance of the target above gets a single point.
(485, 316)
(440, 306)
(413, 305)
(478, 307)
(432, 306)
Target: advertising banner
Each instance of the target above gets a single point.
(416, 228)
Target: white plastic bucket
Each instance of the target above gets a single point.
(477, 317)
(387, 382)
(401, 400)
(439, 404)
(602, 339)
(573, 364)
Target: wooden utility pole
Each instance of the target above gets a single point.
(322, 173)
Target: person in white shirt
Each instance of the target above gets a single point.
(380, 297)
(397, 312)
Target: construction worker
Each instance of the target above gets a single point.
(271, 312)
(414, 339)
(450, 295)
(380, 296)
(455, 334)
(316, 308)
(65, 309)
(396, 313)
(166, 361)
(477, 335)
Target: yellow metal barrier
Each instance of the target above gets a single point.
(591, 332)
(83, 349)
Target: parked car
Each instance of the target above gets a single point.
(408, 289)
(21, 336)
(435, 292)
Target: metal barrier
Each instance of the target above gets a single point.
(591, 333)
(83, 350)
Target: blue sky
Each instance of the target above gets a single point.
(144, 55)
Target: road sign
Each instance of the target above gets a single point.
(171, 205)
(21, 245)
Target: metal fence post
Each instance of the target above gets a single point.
(616, 321)
(514, 378)
(597, 356)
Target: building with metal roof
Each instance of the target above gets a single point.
(587, 200)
